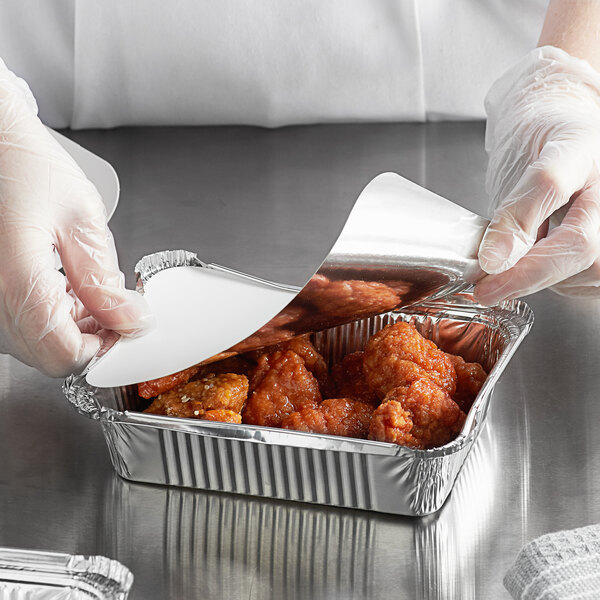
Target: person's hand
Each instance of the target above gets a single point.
(48, 320)
(543, 140)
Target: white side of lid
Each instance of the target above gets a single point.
(99, 171)
(199, 313)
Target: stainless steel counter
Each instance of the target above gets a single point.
(248, 198)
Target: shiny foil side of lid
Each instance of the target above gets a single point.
(401, 245)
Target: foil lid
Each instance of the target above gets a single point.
(401, 244)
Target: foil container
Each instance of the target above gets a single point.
(33, 575)
(321, 469)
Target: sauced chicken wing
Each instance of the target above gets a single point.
(470, 377)
(347, 380)
(392, 423)
(421, 415)
(336, 416)
(222, 415)
(303, 347)
(314, 362)
(282, 385)
(227, 391)
(389, 351)
(154, 387)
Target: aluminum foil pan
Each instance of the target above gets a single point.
(322, 469)
(32, 575)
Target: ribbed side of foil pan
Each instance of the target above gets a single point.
(314, 468)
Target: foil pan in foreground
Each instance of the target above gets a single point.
(321, 469)
(32, 575)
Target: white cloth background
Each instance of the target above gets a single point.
(107, 63)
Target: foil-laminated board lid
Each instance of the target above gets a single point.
(401, 244)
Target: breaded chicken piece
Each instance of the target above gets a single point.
(470, 378)
(392, 423)
(227, 391)
(304, 348)
(282, 385)
(347, 380)
(336, 416)
(421, 415)
(314, 362)
(223, 416)
(154, 387)
(388, 355)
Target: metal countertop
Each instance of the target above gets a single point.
(247, 198)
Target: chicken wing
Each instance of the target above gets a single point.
(154, 387)
(227, 391)
(282, 385)
(347, 380)
(336, 416)
(304, 348)
(223, 416)
(470, 378)
(390, 352)
(421, 415)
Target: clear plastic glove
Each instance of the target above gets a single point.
(48, 320)
(543, 141)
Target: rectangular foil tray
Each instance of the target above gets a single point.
(33, 575)
(321, 469)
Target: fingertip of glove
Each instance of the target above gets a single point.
(126, 312)
(136, 317)
(64, 366)
(485, 297)
(490, 261)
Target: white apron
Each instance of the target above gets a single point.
(105, 63)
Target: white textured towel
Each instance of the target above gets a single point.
(558, 566)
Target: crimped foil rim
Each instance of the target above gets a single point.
(344, 444)
(103, 574)
(151, 264)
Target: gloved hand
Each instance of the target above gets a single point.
(543, 141)
(47, 320)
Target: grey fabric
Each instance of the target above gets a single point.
(558, 566)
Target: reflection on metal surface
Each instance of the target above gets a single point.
(270, 550)
(221, 546)
(214, 545)
(447, 544)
